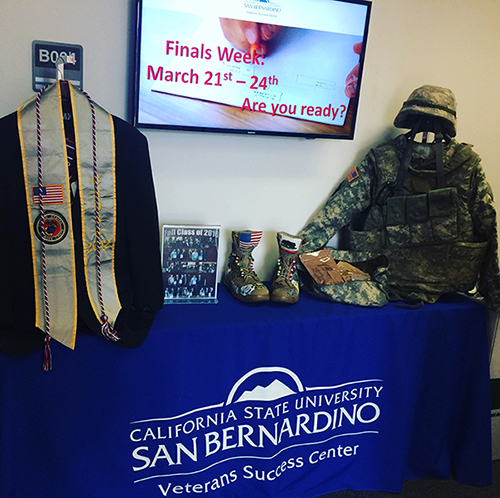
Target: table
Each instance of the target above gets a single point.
(254, 400)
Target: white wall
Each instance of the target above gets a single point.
(269, 183)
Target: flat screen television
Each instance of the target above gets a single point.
(285, 67)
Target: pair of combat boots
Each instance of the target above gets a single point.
(240, 277)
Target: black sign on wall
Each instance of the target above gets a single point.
(45, 59)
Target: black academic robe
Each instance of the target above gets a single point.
(137, 252)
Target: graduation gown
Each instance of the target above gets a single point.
(137, 252)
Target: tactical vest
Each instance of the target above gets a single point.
(422, 222)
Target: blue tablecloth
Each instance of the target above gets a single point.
(239, 400)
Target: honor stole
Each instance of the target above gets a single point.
(48, 192)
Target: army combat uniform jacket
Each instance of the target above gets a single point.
(437, 240)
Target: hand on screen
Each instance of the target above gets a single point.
(245, 34)
(351, 82)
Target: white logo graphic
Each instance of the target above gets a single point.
(267, 414)
(271, 392)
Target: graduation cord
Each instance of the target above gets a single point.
(47, 356)
(106, 329)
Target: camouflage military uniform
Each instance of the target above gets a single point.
(430, 257)
(437, 239)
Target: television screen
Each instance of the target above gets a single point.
(285, 67)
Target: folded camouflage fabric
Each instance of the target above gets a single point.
(365, 292)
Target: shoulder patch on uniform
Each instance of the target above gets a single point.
(353, 174)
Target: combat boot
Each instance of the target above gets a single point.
(240, 277)
(285, 286)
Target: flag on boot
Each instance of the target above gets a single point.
(249, 239)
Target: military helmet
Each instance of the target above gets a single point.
(431, 101)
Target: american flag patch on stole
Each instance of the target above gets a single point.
(250, 239)
(51, 194)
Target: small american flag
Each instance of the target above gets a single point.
(52, 194)
(250, 239)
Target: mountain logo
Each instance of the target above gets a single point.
(255, 385)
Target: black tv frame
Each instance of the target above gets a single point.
(340, 134)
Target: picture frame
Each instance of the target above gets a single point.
(190, 263)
